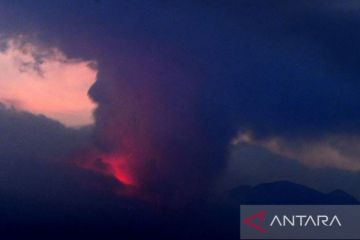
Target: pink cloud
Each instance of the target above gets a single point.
(45, 81)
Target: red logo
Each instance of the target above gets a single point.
(261, 216)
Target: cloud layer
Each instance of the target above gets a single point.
(178, 80)
(45, 81)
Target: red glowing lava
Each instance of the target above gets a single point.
(117, 168)
(114, 165)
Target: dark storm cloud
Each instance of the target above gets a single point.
(26, 135)
(178, 79)
(280, 67)
(32, 148)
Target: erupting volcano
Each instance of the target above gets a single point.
(114, 165)
(154, 137)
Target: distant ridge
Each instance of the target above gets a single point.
(285, 192)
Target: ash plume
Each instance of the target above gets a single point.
(178, 80)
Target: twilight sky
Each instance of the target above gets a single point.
(45, 81)
(180, 87)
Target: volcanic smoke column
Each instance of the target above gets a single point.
(155, 130)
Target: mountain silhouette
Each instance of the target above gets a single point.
(108, 216)
(285, 192)
(223, 209)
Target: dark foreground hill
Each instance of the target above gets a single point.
(108, 217)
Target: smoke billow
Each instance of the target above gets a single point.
(154, 131)
(177, 80)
